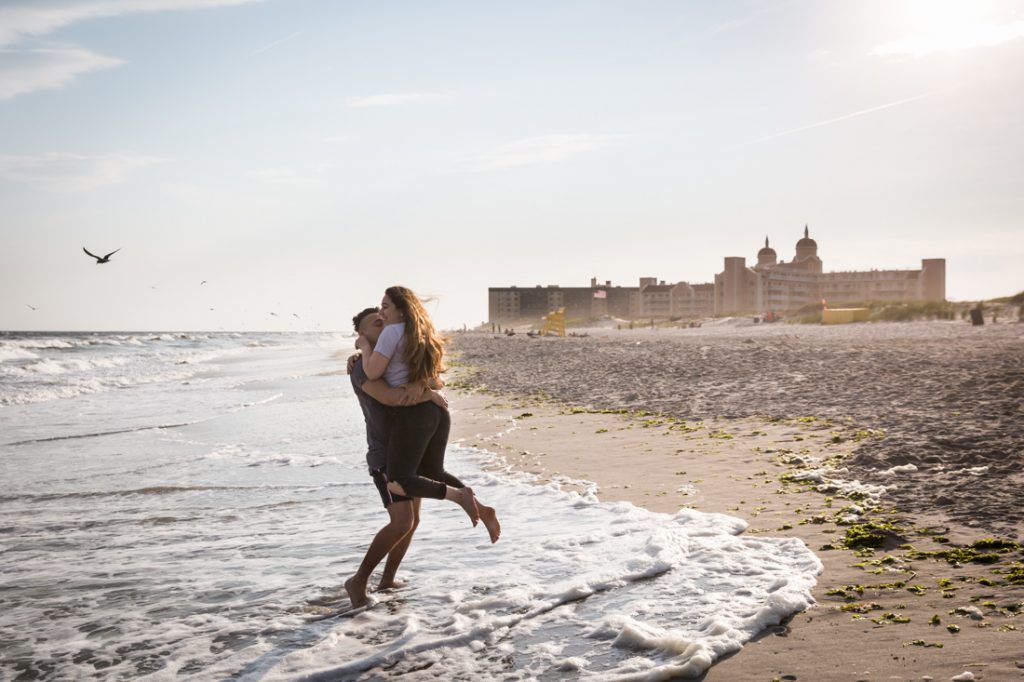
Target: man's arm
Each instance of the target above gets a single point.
(413, 394)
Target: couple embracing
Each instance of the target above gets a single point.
(396, 377)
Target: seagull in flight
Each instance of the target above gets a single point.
(31, 306)
(202, 283)
(104, 259)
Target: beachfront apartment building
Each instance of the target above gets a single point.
(682, 299)
(652, 299)
(770, 285)
(773, 285)
(509, 305)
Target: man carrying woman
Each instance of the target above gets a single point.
(395, 378)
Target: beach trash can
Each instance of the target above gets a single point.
(977, 317)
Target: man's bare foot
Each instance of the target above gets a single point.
(356, 591)
(467, 500)
(390, 585)
(490, 519)
(326, 599)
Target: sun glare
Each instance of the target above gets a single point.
(947, 17)
(951, 26)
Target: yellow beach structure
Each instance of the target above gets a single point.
(844, 315)
(554, 323)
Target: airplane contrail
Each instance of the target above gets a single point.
(273, 44)
(844, 117)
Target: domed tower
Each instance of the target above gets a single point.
(807, 253)
(766, 257)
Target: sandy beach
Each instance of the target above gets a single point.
(894, 451)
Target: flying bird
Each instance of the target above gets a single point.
(202, 283)
(31, 306)
(105, 259)
(296, 315)
(274, 314)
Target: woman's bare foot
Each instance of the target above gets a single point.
(467, 500)
(390, 585)
(356, 591)
(490, 519)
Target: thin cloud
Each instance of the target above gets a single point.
(280, 176)
(393, 99)
(542, 149)
(73, 172)
(745, 18)
(28, 70)
(274, 44)
(844, 117)
(25, 71)
(955, 39)
(39, 17)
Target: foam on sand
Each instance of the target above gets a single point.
(619, 591)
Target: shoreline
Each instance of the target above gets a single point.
(900, 610)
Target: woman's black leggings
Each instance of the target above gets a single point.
(417, 438)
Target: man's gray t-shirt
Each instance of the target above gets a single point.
(376, 416)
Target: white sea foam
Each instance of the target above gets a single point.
(46, 367)
(81, 385)
(37, 369)
(829, 480)
(15, 353)
(655, 594)
(899, 469)
(41, 342)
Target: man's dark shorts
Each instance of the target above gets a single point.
(380, 479)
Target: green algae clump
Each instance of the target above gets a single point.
(868, 535)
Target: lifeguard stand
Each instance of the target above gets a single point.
(554, 323)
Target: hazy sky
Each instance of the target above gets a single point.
(302, 155)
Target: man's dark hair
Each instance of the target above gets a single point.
(363, 313)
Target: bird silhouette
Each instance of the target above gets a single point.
(104, 259)
(202, 283)
(296, 315)
(274, 314)
(31, 306)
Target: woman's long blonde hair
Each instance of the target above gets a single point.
(424, 346)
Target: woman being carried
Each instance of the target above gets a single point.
(410, 349)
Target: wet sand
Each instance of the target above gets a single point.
(795, 429)
(950, 397)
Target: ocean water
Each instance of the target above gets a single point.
(171, 504)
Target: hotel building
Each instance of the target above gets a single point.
(773, 285)
(770, 285)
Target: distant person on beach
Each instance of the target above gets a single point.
(415, 433)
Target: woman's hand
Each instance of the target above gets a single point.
(351, 362)
(438, 399)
